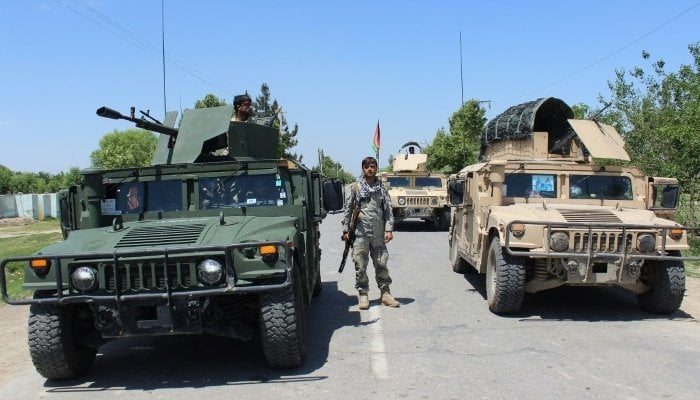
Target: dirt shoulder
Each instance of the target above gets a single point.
(12, 227)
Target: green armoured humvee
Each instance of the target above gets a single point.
(539, 213)
(415, 192)
(219, 236)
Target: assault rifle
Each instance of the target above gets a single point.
(351, 235)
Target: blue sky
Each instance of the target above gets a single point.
(336, 67)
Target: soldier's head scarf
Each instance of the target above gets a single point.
(366, 189)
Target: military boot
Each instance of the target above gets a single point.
(363, 301)
(387, 299)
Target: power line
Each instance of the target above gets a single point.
(589, 66)
(130, 37)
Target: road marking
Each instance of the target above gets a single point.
(379, 364)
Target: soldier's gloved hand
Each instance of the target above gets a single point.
(345, 236)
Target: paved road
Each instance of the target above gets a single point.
(443, 343)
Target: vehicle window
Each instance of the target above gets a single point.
(427, 181)
(164, 195)
(604, 187)
(531, 185)
(138, 197)
(399, 181)
(129, 198)
(242, 191)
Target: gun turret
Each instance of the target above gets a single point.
(142, 122)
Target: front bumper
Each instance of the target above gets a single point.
(153, 275)
(597, 241)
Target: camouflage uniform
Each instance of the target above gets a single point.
(374, 219)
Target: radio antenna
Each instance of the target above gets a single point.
(461, 76)
(162, 35)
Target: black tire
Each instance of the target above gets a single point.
(54, 346)
(458, 264)
(282, 325)
(318, 287)
(667, 282)
(505, 280)
(444, 219)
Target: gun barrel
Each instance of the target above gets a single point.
(142, 123)
(107, 112)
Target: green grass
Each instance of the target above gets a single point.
(48, 224)
(692, 268)
(23, 246)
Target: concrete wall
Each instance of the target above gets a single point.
(35, 206)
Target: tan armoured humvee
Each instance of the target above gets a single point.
(416, 192)
(538, 213)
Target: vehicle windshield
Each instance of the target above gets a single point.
(428, 181)
(399, 181)
(531, 185)
(604, 187)
(242, 191)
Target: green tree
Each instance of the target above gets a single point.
(5, 180)
(581, 111)
(209, 101)
(27, 182)
(125, 149)
(72, 177)
(266, 108)
(658, 114)
(54, 183)
(331, 168)
(450, 151)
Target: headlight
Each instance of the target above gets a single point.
(209, 271)
(559, 241)
(402, 201)
(646, 243)
(84, 279)
(518, 230)
(433, 201)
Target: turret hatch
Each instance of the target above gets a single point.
(601, 140)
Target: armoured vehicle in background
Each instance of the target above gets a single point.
(416, 192)
(538, 213)
(219, 236)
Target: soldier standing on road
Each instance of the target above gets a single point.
(374, 230)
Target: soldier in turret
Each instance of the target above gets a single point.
(242, 108)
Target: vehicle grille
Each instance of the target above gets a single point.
(162, 235)
(145, 275)
(601, 242)
(418, 201)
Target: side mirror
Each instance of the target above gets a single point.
(455, 192)
(666, 196)
(333, 195)
(65, 211)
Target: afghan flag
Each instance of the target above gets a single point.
(377, 140)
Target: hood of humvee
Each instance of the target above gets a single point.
(567, 213)
(181, 232)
